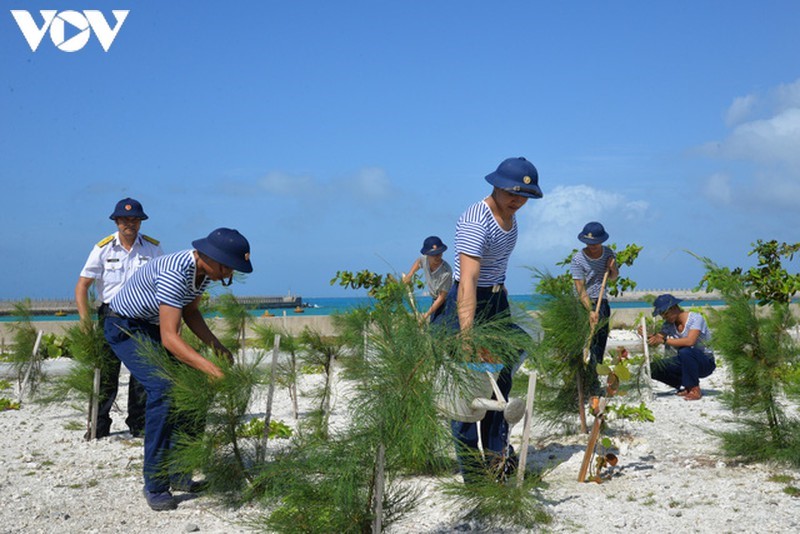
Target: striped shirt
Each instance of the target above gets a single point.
(695, 321)
(478, 234)
(591, 271)
(165, 280)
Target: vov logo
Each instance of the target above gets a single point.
(82, 25)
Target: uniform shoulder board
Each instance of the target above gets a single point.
(151, 240)
(105, 241)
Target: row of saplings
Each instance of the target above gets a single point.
(356, 478)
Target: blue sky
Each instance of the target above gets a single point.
(338, 135)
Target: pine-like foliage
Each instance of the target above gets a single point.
(87, 345)
(211, 414)
(235, 319)
(566, 328)
(755, 342)
(21, 358)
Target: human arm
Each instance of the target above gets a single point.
(414, 268)
(170, 321)
(437, 303)
(580, 287)
(611, 266)
(82, 297)
(468, 290)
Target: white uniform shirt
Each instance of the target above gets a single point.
(110, 265)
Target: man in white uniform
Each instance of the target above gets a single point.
(111, 263)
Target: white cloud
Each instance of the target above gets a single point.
(369, 183)
(718, 188)
(764, 142)
(740, 110)
(281, 183)
(555, 221)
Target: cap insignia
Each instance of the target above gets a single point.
(128, 207)
(246, 256)
(526, 180)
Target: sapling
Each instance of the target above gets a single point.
(752, 334)
(26, 364)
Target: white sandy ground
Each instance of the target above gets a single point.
(670, 478)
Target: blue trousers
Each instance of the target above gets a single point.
(684, 369)
(493, 427)
(124, 335)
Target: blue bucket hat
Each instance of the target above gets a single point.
(128, 207)
(663, 303)
(228, 247)
(517, 176)
(433, 246)
(593, 233)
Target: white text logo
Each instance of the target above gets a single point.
(82, 25)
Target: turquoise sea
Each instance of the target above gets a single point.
(331, 305)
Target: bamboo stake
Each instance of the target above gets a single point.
(271, 392)
(526, 429)
(587, 456)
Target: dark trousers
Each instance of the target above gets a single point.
(109, 385)
(125, 335)
(493, 427)
(597, 348)
(684, 369)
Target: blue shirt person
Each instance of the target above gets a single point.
(486, 234)
(151, 306)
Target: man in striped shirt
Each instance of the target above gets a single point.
(485, 237)
(588, 268)
(151, 306)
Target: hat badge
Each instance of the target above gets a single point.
(435, 247)
(128, 207)
(526, 180)
(247, 256)
(589, 235)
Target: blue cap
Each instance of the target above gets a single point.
(517, 176)
(228, 247)
(663, 303)
(433, 246)
(128, 207)
(593, 233)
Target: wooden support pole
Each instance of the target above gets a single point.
(271, 392)
(590, 446)
(526, 429)
(646, 348)
(377, 523)
(94, 406)
(581, 407)
(34, 362)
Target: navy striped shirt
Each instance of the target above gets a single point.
(590, 271)
(165, 280)
(478, 234)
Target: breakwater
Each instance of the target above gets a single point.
(38, 307)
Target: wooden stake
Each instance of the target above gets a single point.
(377, 524)
(526, 429)
(587, 456)
(34, 362)
(581, 407)
(94, 407)
(647, 357)
(271, 392)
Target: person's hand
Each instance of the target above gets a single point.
(656, 339)
(215, 373)
(594, 318)
(222, 350)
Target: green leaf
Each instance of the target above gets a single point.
(603, 369)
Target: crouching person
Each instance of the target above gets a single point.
(685, 332)
(149, 308)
